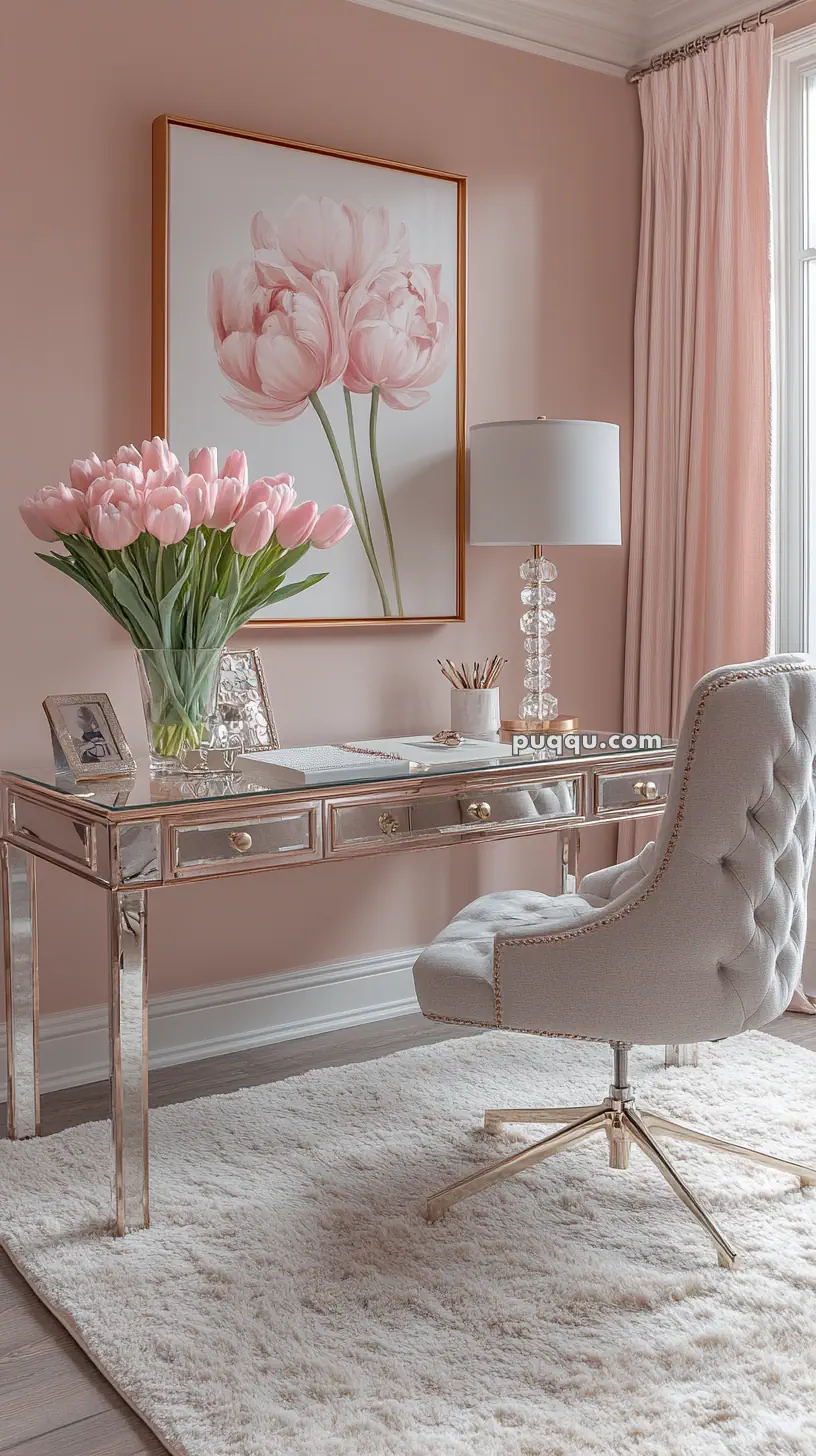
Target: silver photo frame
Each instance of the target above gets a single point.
(87, 737)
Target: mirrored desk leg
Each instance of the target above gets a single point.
(128, 1055)
(21, 989)
(569, 842)
(682, 1054)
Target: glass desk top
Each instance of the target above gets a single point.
(144, 791)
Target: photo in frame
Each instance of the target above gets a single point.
(309, 308)
(87, 736)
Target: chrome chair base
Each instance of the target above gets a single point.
(623, 1124)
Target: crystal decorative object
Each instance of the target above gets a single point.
(537, 623)
(537, 596)
(531, 648)
(538, 568)
(538, 706)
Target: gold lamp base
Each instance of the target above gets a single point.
(509, 726)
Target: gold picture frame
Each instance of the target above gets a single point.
(162, 128)
(87, 737)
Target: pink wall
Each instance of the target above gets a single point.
(552, 153)
(795, 19)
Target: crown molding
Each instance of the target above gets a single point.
(602, 35)
(585, 33)
(674, 22)
(795, 46)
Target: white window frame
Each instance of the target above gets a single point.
(794, 454)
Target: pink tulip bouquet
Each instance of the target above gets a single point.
(180, 560)
(331, 294)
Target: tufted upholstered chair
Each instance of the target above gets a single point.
(698, 938)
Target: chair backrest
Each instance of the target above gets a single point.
(735, 847)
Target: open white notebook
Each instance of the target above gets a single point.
(374, 758)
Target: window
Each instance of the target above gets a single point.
(793, 153)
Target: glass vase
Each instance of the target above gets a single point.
(179, 690)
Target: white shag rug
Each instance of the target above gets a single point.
(290, 1300)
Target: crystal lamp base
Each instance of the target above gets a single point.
(537, 623)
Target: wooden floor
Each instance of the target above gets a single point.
(52, 1400)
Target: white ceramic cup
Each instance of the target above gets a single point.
(475, 712)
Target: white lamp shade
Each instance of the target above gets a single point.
(545, 483)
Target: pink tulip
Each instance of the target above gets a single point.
(276, 491)
(298, 525)
(261, 492)
(398, 328)
(157, 455)
(317, 234)
(84, 471)
(118, 492)
(278, 341)
(228, 500)
(204, 461)
(132, 473)
(55, 509)
(128, 455)
(331, 526)
(34, 516)
(253, 531)
(235, 467)
(114, 525)
(167, 514)
(108, 472)
(126, 476)
(200, 497)
(286, 497)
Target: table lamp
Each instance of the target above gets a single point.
(543, 483)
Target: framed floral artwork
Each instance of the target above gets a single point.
(309, 307)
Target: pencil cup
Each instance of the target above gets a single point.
(475, 712)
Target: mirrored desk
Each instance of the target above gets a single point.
(140, 836)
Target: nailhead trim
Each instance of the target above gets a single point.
(522, 1030)
(658, 874)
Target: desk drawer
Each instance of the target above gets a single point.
(361, 827)
(58, 835)
(644, 789)
(289, 837)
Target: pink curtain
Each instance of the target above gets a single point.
(699, 554)
(699, 581)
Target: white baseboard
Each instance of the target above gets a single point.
(188, 1025)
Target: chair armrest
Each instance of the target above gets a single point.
(599, 887)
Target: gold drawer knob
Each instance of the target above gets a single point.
(647, 788)
(240, 840)
(388, 824)
(478, 811)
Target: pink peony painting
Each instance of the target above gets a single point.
(333, 321)
(331, 296)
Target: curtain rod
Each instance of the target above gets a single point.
(702, 43)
